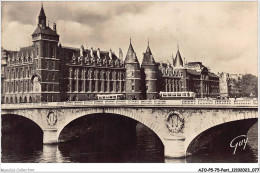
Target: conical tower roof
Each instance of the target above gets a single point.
(131, 55)
(42, 13)
(178, 60)
(148, 50)
(148, 57)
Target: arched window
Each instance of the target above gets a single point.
(25, 99)
(21, 85)
(53, 76)
(108, 75)
(18, 74)
(7, 87)
(79, 74)
(75, 74)
(91, 74)
(30, 99)
(6, 100)
(25, 86)
(11, 100)
(12, 89)
(97, 75)
(102, 74)
(51, 87)
(16, 87)
(20, 100)
(80, 85)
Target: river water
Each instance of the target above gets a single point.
(147, 149)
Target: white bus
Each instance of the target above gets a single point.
(110, 96)
(176, 95)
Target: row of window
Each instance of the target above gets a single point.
(18, 73)
(96, 74)
(48, 65)
(14, 100)
(170, 72)
(97, 61)
(96, 86)
(50, 76)
(18, 86)
(20, 60)
(47, 87)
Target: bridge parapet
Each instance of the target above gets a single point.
(142, 103)
(176, 122)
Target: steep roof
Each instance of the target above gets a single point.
(148, 57)
(131, 56)
(47, 30)
(69, 51)
(212, 75)
(193, 72)
(178, 60)
(42, 13)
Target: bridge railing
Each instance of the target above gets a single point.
(234, 103)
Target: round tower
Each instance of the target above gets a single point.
(149, 75)
(133, 77)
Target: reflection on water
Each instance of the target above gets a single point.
(147, 149)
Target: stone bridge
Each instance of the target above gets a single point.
(176, 123)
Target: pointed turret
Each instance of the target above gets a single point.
(133, 77)
(42, 18)
(149, 75)
(148, 50)
(148, 57)
(178, 60)
(131, 55)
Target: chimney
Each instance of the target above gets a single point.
(91, 52)
(98, 53)
(120, 54)
(110, 54)
(54, 27)
(81, 50)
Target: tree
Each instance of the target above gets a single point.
(249, 85)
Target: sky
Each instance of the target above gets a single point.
(221, 35)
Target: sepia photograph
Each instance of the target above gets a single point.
(129, 82)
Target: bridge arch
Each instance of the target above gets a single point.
(149, 124)
(214, 123)
(28, 118)
(21, 128)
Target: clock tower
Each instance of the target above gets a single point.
(46, 69)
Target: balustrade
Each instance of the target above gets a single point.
(194, 103)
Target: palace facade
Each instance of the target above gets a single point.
(46, 71)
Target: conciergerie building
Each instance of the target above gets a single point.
(47, 71)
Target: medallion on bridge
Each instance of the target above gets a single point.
(51, 118)
(174, 122)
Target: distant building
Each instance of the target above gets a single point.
(224, 84)
(230, 85)
(46, 71)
